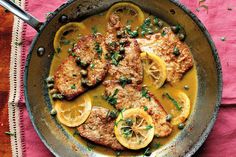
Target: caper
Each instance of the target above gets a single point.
(181, 126)
(169, 117)
(175, 29)
(122, 49)
(176, 51)
(84, 82)
(150, 31)
(122, 42)
(112, 114)
(78, 60)
(50, 86)
(129, 122)
(119, 34)
(160, 23)
(186, 87)
(83, 64)
(53, 112)
(143, 33)
(134, 34)
(84, 72)
(181, 37)
(63, 19)
(57, 96)
(50, 79)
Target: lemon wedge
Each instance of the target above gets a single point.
(128, 12)
(134, 128)
(73, 114)
(155, 68)
(184, 102)
(67, 31)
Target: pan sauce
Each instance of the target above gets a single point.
(99, 23)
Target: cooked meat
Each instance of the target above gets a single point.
(130, 66)
(98, 67)
(85, 48)
(99, 128)
(175, 53)
(68, 79)
(131, 97)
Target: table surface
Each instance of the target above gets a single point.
(6, 23)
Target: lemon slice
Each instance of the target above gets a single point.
(155, 68)
(66, 32)
(134, 128)
(128, 12)
(73, 114)
(184, 103)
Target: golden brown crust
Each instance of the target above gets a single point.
(99, 128)
(68, 79)
(130, 66)
(163, 46)
(130, 97)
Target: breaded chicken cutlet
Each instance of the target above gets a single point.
(86, 68)
(168, 47)
(131, 96)
(99, 128)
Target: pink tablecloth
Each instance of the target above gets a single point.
(221, 22)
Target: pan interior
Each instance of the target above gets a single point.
(209, 78)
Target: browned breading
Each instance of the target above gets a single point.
(85, 47)
(164, 45)
(130, 66)
(68, 79)
(99, 128)
(131, 97)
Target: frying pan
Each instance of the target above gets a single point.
(209, 74)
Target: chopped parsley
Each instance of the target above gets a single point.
(92, 66)
(90, 146)
(124, 80)
(9, 133)
(73, 86)
(147, 151)
(98, 49)
(163, 33)
(144, 93)
(58, 49)
(156, 145)
(65, 42)
(173, 101)
(112, 99)
(94, 30)
(145, 108)
(76, 132)
(116, 58)
(148, 127)
(176, 51)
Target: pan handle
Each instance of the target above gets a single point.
(16, 10)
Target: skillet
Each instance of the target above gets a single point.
(209, 74)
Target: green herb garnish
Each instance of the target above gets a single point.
(92, 66)
(156, 145)
(124, 80)
(65, 42)
(58, 49)
(112, 99)
(145, 108)
(173, 101)
(176, 51)
(18, 43)
(147, 151)
(76, 132)
(73, 86)
(144, 93)
(148, 127)
(90, 146)
(98, 49)
(94, 30)
(116, 58)
(9, 133)
(163, 33)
